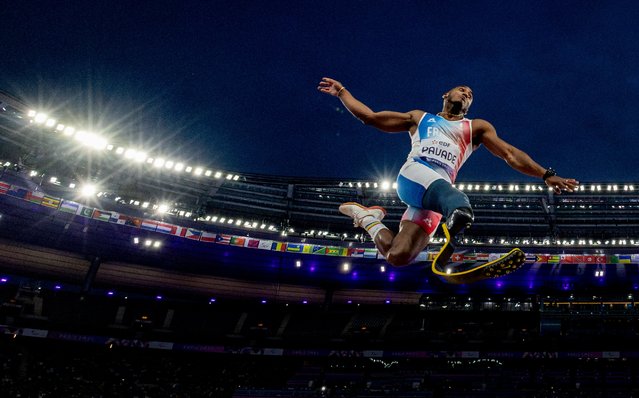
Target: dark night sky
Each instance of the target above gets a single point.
(232, 84)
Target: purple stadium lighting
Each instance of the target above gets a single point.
(312, 269)
(3, 280)
(212, 300)
(349, 302)
(263, 301)
(391, 276)
(354, 275)
(304, 301)
(110, 293)
(158, 297)
(499, 284)
(58, 287)
(387, 301)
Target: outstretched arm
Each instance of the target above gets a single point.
(387, 121)
(484, 133)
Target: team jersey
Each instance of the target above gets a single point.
(442, 144)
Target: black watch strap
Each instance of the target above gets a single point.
(549, 173)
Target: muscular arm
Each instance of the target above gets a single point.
(484, 133)
(387, 121)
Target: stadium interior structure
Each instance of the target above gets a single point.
(231, 284)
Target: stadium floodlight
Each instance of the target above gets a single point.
(208, 173)
(214, 218)
(374, 185)
(136, 240)
(158, 162)
(68, 131)
(218, 174)
(236, 177)
(367, 185)
(461, 187)
(230, 221)
(59, 127)
(31, 113)
(198, 171)
(33, 173)
(188, 169)
(40, 118)
(382, 268)
(140, 157)
(298, 264)
(119, 151)
(53, 180)
(109, 147)
(263, 226)
(229, 176)
(385, 185)
(145, 205)
(163, 208)
(254, 224)
(469, 187)
(238, 222)
(394, 185)
(88, 190)
(130, 153)
(50, 122)
(359, 185)
(72, 185)
(157, 244)
(169, 164)
(179, 167)
(181, 213)
(346, 267)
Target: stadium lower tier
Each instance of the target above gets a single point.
(37, 368)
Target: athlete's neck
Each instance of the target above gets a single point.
(451, 116)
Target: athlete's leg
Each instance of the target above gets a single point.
(415, 231)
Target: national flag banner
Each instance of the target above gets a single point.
(332, 251)
(85, 211)
(238, 241)
(50, 201)
(625, 259)
(370, 253)
(494, 256)
(149, 225)
(634, 258)
(457, 257)
(35, 196)
(224, 239)
(69, 206)
(554, 259)
(128, 220)
(307, 249)
(166, 228)
(542, 258)
(357, 252)
(612, 259)
(278, 246)
(115, 216)
(194, 234)
(577, 259)
(265, 244)
(17, 192)
(319, 249)
(531, 258)
(252, 243)
(4, 188)
(294, 247)
(470, 257)
(589, 259)
(101, 215)
(600, 259)
(180, 231)
(208, 237)
(482, 256)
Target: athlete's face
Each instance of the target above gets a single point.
(460, 94)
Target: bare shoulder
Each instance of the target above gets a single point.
(416, 115)
(481, 126)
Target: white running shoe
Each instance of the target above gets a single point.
(358, 212)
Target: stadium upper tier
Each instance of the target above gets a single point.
(69, 162)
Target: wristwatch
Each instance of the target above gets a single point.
(549, 173)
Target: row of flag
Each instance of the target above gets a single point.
(68, 206)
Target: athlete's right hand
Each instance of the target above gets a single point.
(330, 86)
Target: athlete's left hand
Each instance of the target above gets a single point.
(559, 184)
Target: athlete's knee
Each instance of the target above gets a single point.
(401, 253)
